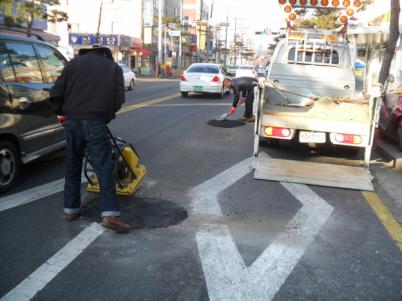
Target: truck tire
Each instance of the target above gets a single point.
(184, 94)
(10, 163)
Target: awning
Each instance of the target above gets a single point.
(142, 51)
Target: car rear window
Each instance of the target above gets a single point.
(246, 67)
(203, 69)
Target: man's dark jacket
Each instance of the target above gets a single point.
(90, 86)
(243, 84)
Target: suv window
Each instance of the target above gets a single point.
(6, 70)
(52, 63)
(24, 62)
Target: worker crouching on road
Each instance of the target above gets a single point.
(245, 86)
(88, 93)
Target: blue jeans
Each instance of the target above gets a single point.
(92, 136)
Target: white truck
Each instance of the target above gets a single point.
(309, 97)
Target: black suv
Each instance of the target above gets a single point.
(28, 127)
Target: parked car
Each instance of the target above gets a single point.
(261, 71)
(129, 77)
(203, 78)
(231, 70)
(28, 127)
(246, 70)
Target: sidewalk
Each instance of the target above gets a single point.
(386, 168)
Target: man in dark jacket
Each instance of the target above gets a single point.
(245, 86)
(87, 94)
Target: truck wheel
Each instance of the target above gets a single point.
(184, 94)
(269, 142)
(400, 138)
(10, 164)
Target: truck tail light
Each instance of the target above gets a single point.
(348, 139)
(283, 133)
(216, 79)
(183, 78)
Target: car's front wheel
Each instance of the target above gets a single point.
(10, 164)
(184, 94)
(131, 86)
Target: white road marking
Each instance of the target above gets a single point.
(33, 194)
(35, 282)
(205, 195)
(226, 275)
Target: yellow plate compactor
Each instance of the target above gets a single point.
(127, 171)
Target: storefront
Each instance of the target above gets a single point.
(141, 58)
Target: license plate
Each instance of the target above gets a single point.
(311, 137)
(198, 88)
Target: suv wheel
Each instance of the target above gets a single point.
(9, 165)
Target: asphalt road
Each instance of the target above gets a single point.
(204, 228)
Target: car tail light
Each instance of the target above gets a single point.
(216, 79)
(283, 133)
(348, 139)
(183, 78)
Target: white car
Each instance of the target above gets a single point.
(245, 70)
(203, 78)
(129, 77)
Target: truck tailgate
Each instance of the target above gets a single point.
(312, 173)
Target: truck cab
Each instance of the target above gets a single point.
(310, 64)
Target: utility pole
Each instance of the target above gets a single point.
(226, 40)
(99, 21)
(235, 44)
(159, 32)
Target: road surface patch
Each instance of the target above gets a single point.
(391, 225)
(143, 213)
(226, 275)
(35, 282)
(226, 123)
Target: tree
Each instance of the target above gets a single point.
(391, 44)
(31, 10)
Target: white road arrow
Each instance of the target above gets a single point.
(226, 275)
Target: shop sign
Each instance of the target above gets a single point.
(174, 33)
(91, 39)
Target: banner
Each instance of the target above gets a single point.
(148, 13)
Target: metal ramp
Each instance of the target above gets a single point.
(322, 174)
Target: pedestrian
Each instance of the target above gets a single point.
(168, 70)
(88, 93)
(245, 87)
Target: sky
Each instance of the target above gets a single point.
(251, 15)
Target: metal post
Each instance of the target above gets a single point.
(235, 44)
(180, 52)
(226, 40)
(165, 46)
(160, 32)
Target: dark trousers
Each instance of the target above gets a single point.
(92, 136)
(249, 103)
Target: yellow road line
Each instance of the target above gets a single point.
(386, 218)
(147, 103)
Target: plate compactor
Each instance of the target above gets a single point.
(127, 171)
